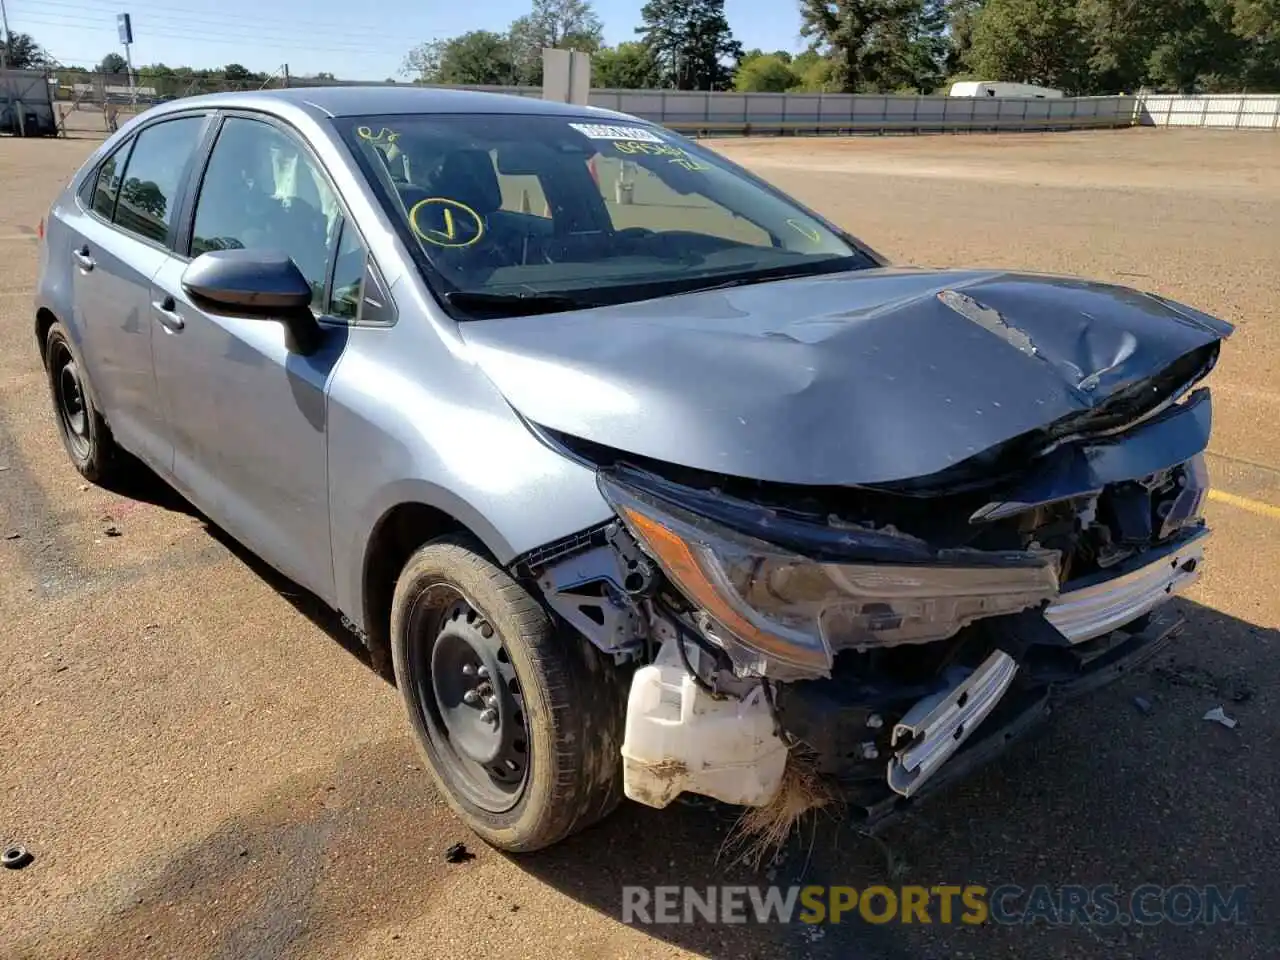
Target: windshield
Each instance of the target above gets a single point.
(522, 214)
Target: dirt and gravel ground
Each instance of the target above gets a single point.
(204, 769)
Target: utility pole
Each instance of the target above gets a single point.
(125, 23)
(8, 37)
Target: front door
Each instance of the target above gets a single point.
(246, 414)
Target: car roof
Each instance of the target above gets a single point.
(359, 99)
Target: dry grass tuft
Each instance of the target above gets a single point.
(761, 832)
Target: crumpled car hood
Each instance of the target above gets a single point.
(855, 378)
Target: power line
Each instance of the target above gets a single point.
(75, 23)
(64, 61)
(270, 42)
(168, 13)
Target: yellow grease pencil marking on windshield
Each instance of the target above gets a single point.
(385, 135)
(458, 232)
(677, 155)
(807, 232)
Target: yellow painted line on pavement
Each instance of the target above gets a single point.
(1244, 503)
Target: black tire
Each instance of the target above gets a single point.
(84, 432)
(570, 700)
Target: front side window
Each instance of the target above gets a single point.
(261, 191)
(348, 275)
(516, 213)
(155, 170)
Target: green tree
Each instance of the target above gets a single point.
(422, 63)
(691, 42)
(1257, 24)
(113, 64)
(908, 51)
(475, 58)
(1200, 50)
(1032, 41)
(23, 53)
(555, 24)
(161, 78)
(628, 66)
(961, 17)
(1121, 35)
(813, 73)
(764, 73)
(1106, 46)
(878, 45)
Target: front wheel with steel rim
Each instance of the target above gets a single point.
(81, 426)
(521, 726)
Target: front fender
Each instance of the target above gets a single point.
(413, 421)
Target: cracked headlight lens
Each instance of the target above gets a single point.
(782, 615)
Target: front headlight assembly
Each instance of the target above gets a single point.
(784, 616)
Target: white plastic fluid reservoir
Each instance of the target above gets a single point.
(680, 738)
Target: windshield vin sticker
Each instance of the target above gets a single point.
(608, 131)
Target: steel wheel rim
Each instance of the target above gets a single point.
(73, 410)
(460, 677)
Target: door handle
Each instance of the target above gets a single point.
(82, 257)
(167, 313)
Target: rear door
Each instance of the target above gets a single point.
(248, 414)
(122, 236)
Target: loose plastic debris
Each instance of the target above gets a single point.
(1218, 716)
(1142, 703)
(15, 858)
(458, 853)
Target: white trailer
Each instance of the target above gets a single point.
(998, 88)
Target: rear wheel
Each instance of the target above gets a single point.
(84, 432)
(521, 727)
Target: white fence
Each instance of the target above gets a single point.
(800, 113)
(1232, 111)
(702, 114)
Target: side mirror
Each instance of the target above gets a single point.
(255, 281)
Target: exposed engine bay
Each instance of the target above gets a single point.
(894, 634)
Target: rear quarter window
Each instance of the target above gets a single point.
(155, 171)
(102, 185)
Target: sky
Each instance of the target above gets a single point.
(351, 40)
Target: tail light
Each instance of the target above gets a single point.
(40, 229)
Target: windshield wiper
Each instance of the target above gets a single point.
(789, 272)
(491, 305)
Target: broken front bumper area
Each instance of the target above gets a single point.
(840, 735)
(893, 727)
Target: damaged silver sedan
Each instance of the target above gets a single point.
(636, 476)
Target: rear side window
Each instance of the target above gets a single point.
(107, 183)
(156, 168)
